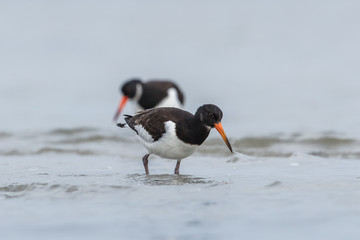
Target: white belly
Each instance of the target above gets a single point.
(168, 146)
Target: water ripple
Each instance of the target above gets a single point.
(167, 179)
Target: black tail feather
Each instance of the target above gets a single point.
(122, 125)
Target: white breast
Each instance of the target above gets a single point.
(168, 146)
(171, 100)
(138, 93)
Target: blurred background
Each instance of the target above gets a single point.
(271, 66)
(285, 74)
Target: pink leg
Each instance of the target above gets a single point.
(177, 168)
(146, 161)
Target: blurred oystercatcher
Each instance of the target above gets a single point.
(150, 95)
(174, 133)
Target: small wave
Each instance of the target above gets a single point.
(259, 142)
(327, 145)
(73, 175)
(274, 184)
(4, 135)
(328, 141)
(71, 131)
(92, 139)
(64, 151)
(266, 142)
(337, 154)
(12, 191)
(86, 141)
(117, 187)
(223, 151)
(303, 155)
(46, 150)
(21, 190)
(13, 152)
(21, 187)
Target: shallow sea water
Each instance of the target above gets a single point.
(88, 183)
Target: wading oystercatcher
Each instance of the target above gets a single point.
(173, 133)
(149, 95)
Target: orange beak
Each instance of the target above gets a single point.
(121, 106)
(220, 129)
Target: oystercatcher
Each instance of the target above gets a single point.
(150, 95)
(174, 133)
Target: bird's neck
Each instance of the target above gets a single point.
(139, 91)
(193, 131)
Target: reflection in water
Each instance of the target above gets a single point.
(167, 179)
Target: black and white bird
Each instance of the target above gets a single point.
(149, 95)
(174, 133)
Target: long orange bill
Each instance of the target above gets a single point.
(121, 106)
(220, 129)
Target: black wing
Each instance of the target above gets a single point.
(155, 91)
(153, 120)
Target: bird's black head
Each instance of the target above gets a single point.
(209, 114)
(129, 87)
